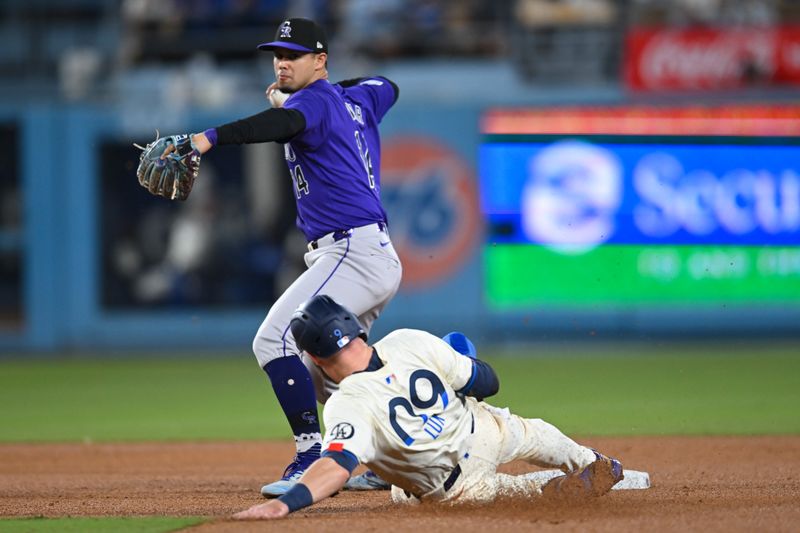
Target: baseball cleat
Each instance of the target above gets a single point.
(369, 480)
(292, 474)
(603, 474)
(594, 480)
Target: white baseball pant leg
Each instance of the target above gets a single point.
(500, 437)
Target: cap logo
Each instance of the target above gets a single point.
(286, 30)
(319, 44)
(344, 341)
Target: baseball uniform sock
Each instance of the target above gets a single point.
(295, 392)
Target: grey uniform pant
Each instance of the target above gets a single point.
(361, 272)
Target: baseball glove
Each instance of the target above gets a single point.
(168, 166)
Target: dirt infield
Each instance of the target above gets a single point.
(699, 484)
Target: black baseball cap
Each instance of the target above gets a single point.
(302, 35)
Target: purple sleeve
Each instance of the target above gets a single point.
(316, 113)
(378, 91)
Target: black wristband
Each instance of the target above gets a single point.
(297, 497)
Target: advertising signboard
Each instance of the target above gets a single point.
(622, 220)
(700, 58)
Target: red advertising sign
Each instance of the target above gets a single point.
(775, 120)
(711, 58)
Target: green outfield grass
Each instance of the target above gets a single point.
(585, 390)
(147, 524)
(664, 390)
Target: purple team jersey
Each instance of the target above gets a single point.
(335, 161)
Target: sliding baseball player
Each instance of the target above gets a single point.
(410, 408)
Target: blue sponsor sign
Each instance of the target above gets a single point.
(576, 194)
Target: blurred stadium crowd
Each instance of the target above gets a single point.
(182, 60)
(83, 44)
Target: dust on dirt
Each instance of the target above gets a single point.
(699, 484)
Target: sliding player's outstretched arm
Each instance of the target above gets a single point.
(323, 479)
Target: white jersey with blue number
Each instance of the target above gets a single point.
(404, 420)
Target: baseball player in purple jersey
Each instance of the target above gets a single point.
(332, 148)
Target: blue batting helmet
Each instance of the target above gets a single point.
(322, 327)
